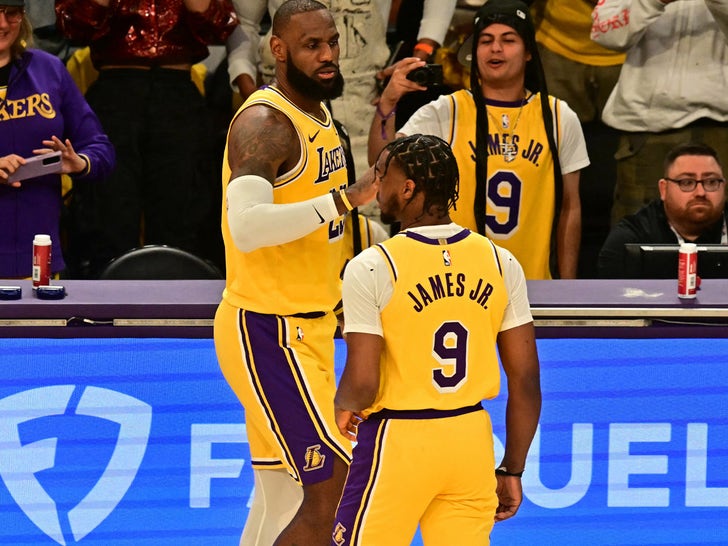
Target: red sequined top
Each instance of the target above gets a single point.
(145, 32)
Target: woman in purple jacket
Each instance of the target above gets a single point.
(41, 110)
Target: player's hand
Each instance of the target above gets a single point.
(8, 165)
(510, 496)
(348, 423)
(364, 190)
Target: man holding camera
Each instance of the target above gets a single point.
(519, 150)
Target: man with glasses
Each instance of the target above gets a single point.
(691, 208)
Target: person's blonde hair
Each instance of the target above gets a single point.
(24, 39)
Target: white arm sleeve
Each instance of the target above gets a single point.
(255, 222)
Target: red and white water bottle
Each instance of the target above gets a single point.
(41, 260)
(687, 271)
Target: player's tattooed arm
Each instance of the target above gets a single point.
(262, 145)
(262, 142)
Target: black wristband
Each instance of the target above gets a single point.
(503, 471)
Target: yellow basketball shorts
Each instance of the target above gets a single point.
(282, 371)
(435, 472)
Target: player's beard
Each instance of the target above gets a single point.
(314, 88)
(387, 217)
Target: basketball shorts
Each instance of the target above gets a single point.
(282, 371)
(437, 472)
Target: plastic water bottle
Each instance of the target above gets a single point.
(41, 260)
(687, 271)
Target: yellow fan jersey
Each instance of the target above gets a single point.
(520, 194)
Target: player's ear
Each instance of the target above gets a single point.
(408, 188)
(278, 48)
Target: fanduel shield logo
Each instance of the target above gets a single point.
(19, 462)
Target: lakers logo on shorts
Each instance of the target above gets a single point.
(338, 535)
(314, 458)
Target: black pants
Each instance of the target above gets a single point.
(166, 186)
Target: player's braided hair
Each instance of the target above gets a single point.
(429, 162)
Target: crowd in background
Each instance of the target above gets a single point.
(642, 77)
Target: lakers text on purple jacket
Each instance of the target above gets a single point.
(42, 100)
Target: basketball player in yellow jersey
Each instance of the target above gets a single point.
(519, 154)
(423, 313)
(284, 182)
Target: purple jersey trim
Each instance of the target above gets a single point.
(424, 413)
(430, 241)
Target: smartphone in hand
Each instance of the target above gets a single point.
(37, 165)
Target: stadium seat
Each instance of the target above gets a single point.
(159, 262)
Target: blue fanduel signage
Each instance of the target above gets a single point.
(140, 441)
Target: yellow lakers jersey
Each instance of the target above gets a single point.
(301, 276)
(440, 325)
(520, 193)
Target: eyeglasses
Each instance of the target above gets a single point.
(13, 14)
(689, 184)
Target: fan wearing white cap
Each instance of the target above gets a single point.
(519, 150)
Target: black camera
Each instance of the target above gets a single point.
(428, 75)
